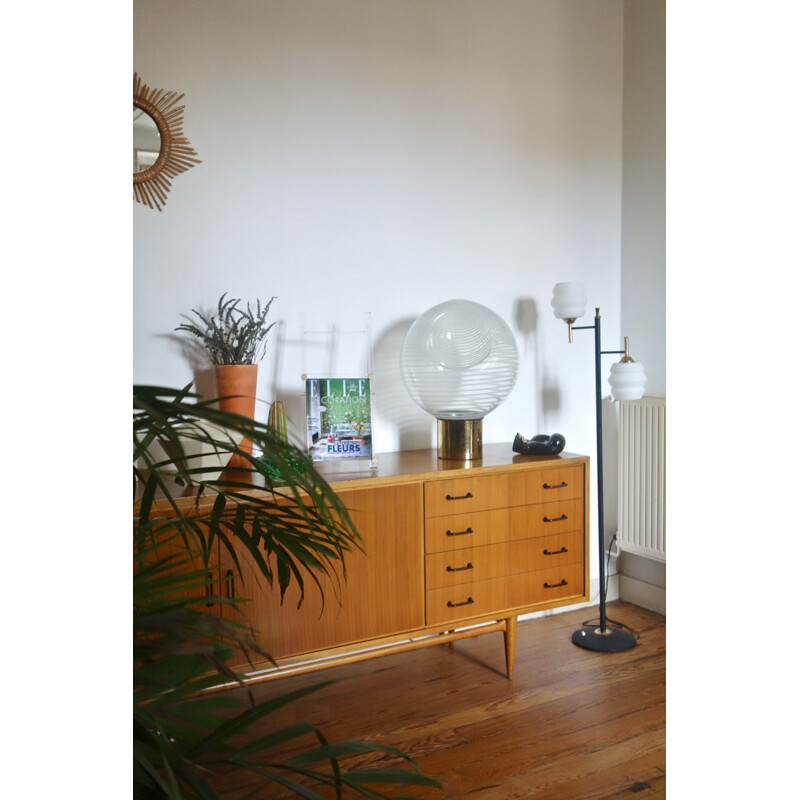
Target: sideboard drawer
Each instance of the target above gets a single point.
(471, 564)
(559, 549)
(460, 495)
(557, 582)
(545, 519)
(466, 530)
(479, 528)
(545, 485)
(493, 596)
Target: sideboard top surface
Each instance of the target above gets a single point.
(426, 465)
(406, 466)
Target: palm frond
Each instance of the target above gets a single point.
(185, 738)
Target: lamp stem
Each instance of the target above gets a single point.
(598, 400)
(605, 639)
(627, 357)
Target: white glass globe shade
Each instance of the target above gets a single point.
(627, 380)
(459, 360)
(568, 301)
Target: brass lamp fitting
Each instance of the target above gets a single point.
(626, 359)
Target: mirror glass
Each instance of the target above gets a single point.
(146, 140)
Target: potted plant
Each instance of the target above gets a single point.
(184, 737)
(235, 336)
(233, 341)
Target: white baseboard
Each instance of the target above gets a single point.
(640, 593)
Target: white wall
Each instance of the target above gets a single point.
(644, 284)
(384, 156)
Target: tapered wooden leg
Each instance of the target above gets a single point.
(510, 637)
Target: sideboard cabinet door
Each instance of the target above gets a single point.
(380, 593)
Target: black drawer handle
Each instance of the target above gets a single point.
(460, 569)
(555, 519)
(451, 604)
(229, 576)
(555, 585)
(555, 552)
(457, 533)
(559, 486)
(459, 497)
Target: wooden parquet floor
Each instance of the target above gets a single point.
(571, 725)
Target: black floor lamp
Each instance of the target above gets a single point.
(627, 381)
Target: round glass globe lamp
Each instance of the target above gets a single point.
(459, 361)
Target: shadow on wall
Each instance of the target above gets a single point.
(416, 429)
(545, 398)
(610, 412)
(292, 395)
(190, 350)
(393, 409)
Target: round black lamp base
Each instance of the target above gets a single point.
(612, 640)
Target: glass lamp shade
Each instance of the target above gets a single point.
(627, 380)
(568, 301)
(459, 360)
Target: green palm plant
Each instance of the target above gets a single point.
(184, 735)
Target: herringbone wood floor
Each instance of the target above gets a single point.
(571, 725)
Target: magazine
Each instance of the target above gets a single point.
(339, 418)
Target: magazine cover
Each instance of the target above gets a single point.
(339, 417)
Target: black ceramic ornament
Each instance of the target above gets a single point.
(539, 445)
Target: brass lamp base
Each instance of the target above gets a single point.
(460, 439)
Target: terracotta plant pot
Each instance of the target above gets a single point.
(236, 384)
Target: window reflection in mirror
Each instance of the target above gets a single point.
(146, 140)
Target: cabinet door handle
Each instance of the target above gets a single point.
(451, 604)
(555, 552)
(555, 585)
(459, 497)
(460, 569)
(555, 519)
(209, 585)
(457, 533)
(557, 486)
(229, 579)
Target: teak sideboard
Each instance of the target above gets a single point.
(450, 550)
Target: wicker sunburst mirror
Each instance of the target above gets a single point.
(160, 150)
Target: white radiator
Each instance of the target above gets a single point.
(642, 479)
